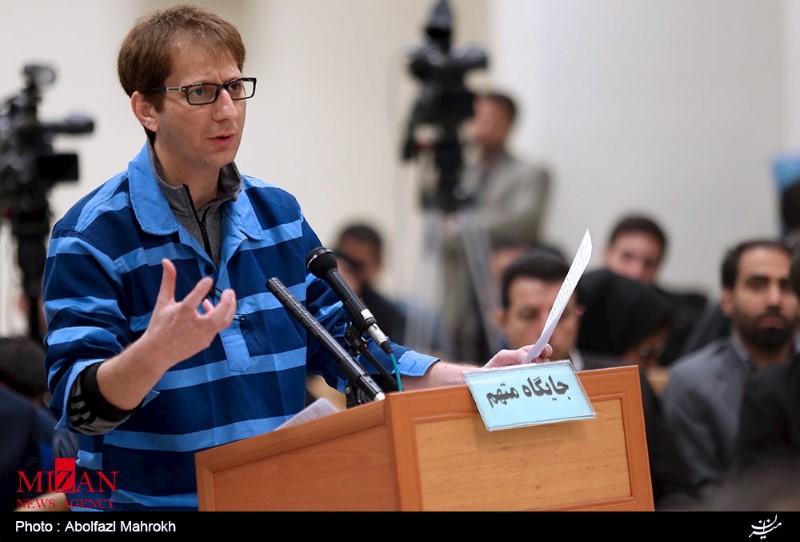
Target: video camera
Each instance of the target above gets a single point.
(27, 160)
(29, 167)
(444, 103)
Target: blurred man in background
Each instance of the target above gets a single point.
(504, 202)
(704, 395)
(636, 249)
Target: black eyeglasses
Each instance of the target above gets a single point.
(651, 353)
(207, 93)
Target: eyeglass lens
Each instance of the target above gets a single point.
(208, 93)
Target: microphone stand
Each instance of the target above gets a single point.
(357, 379)
(353, 393)
(354, 337)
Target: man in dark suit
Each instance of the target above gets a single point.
(25, 446)
(706, 388)
(769, 424)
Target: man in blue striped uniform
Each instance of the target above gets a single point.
(163, 340)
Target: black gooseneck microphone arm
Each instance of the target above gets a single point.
(355, 340)
(352, 370)
(321, 262)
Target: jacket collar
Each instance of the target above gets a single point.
(152, 210)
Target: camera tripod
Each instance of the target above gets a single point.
(464, 296)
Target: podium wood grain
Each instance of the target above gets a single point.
(429, 450)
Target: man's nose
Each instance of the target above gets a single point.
(224, 106)
(636, 269)
(775, 294)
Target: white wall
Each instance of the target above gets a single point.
(791, 69)
(672, 106)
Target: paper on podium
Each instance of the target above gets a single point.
(318, 409)
(577, 268)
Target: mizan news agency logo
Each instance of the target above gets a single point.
(762, 528)
(64, 479)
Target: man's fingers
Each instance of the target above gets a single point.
(224, 312)
(166, 292)
(220, 316)
(200, 291)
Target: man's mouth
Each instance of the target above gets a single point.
(772, 320)
(222, 139)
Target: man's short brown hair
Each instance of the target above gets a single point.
(145, 57)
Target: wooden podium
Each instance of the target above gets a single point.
(430, 450)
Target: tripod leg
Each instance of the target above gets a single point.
(478, 253)
(423, 327)
(30, 225)
(31, 255)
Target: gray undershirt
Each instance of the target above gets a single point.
(209, 216)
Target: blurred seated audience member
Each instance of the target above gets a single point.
(359, 257)
(25, 446)
(530, 285)
(703, 399)
(503, 252)
(623, 318)
(22, 370)
(714, 324)
(769, 421)
(636, 249)
(769, 424)
(359, 252)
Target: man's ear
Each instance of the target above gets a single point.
(726, 302)
(579, 310)
(500, 318)
(144, 111)
(606, 255)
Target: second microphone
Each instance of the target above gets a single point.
(321, 262)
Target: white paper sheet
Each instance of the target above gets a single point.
(577, 268)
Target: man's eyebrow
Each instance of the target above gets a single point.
(762, 277)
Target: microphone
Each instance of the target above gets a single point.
(349, 366)
(321, 262)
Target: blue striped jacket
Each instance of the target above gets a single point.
(101, 280)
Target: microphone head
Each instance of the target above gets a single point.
(320, 261)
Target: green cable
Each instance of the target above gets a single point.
(396, 372)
